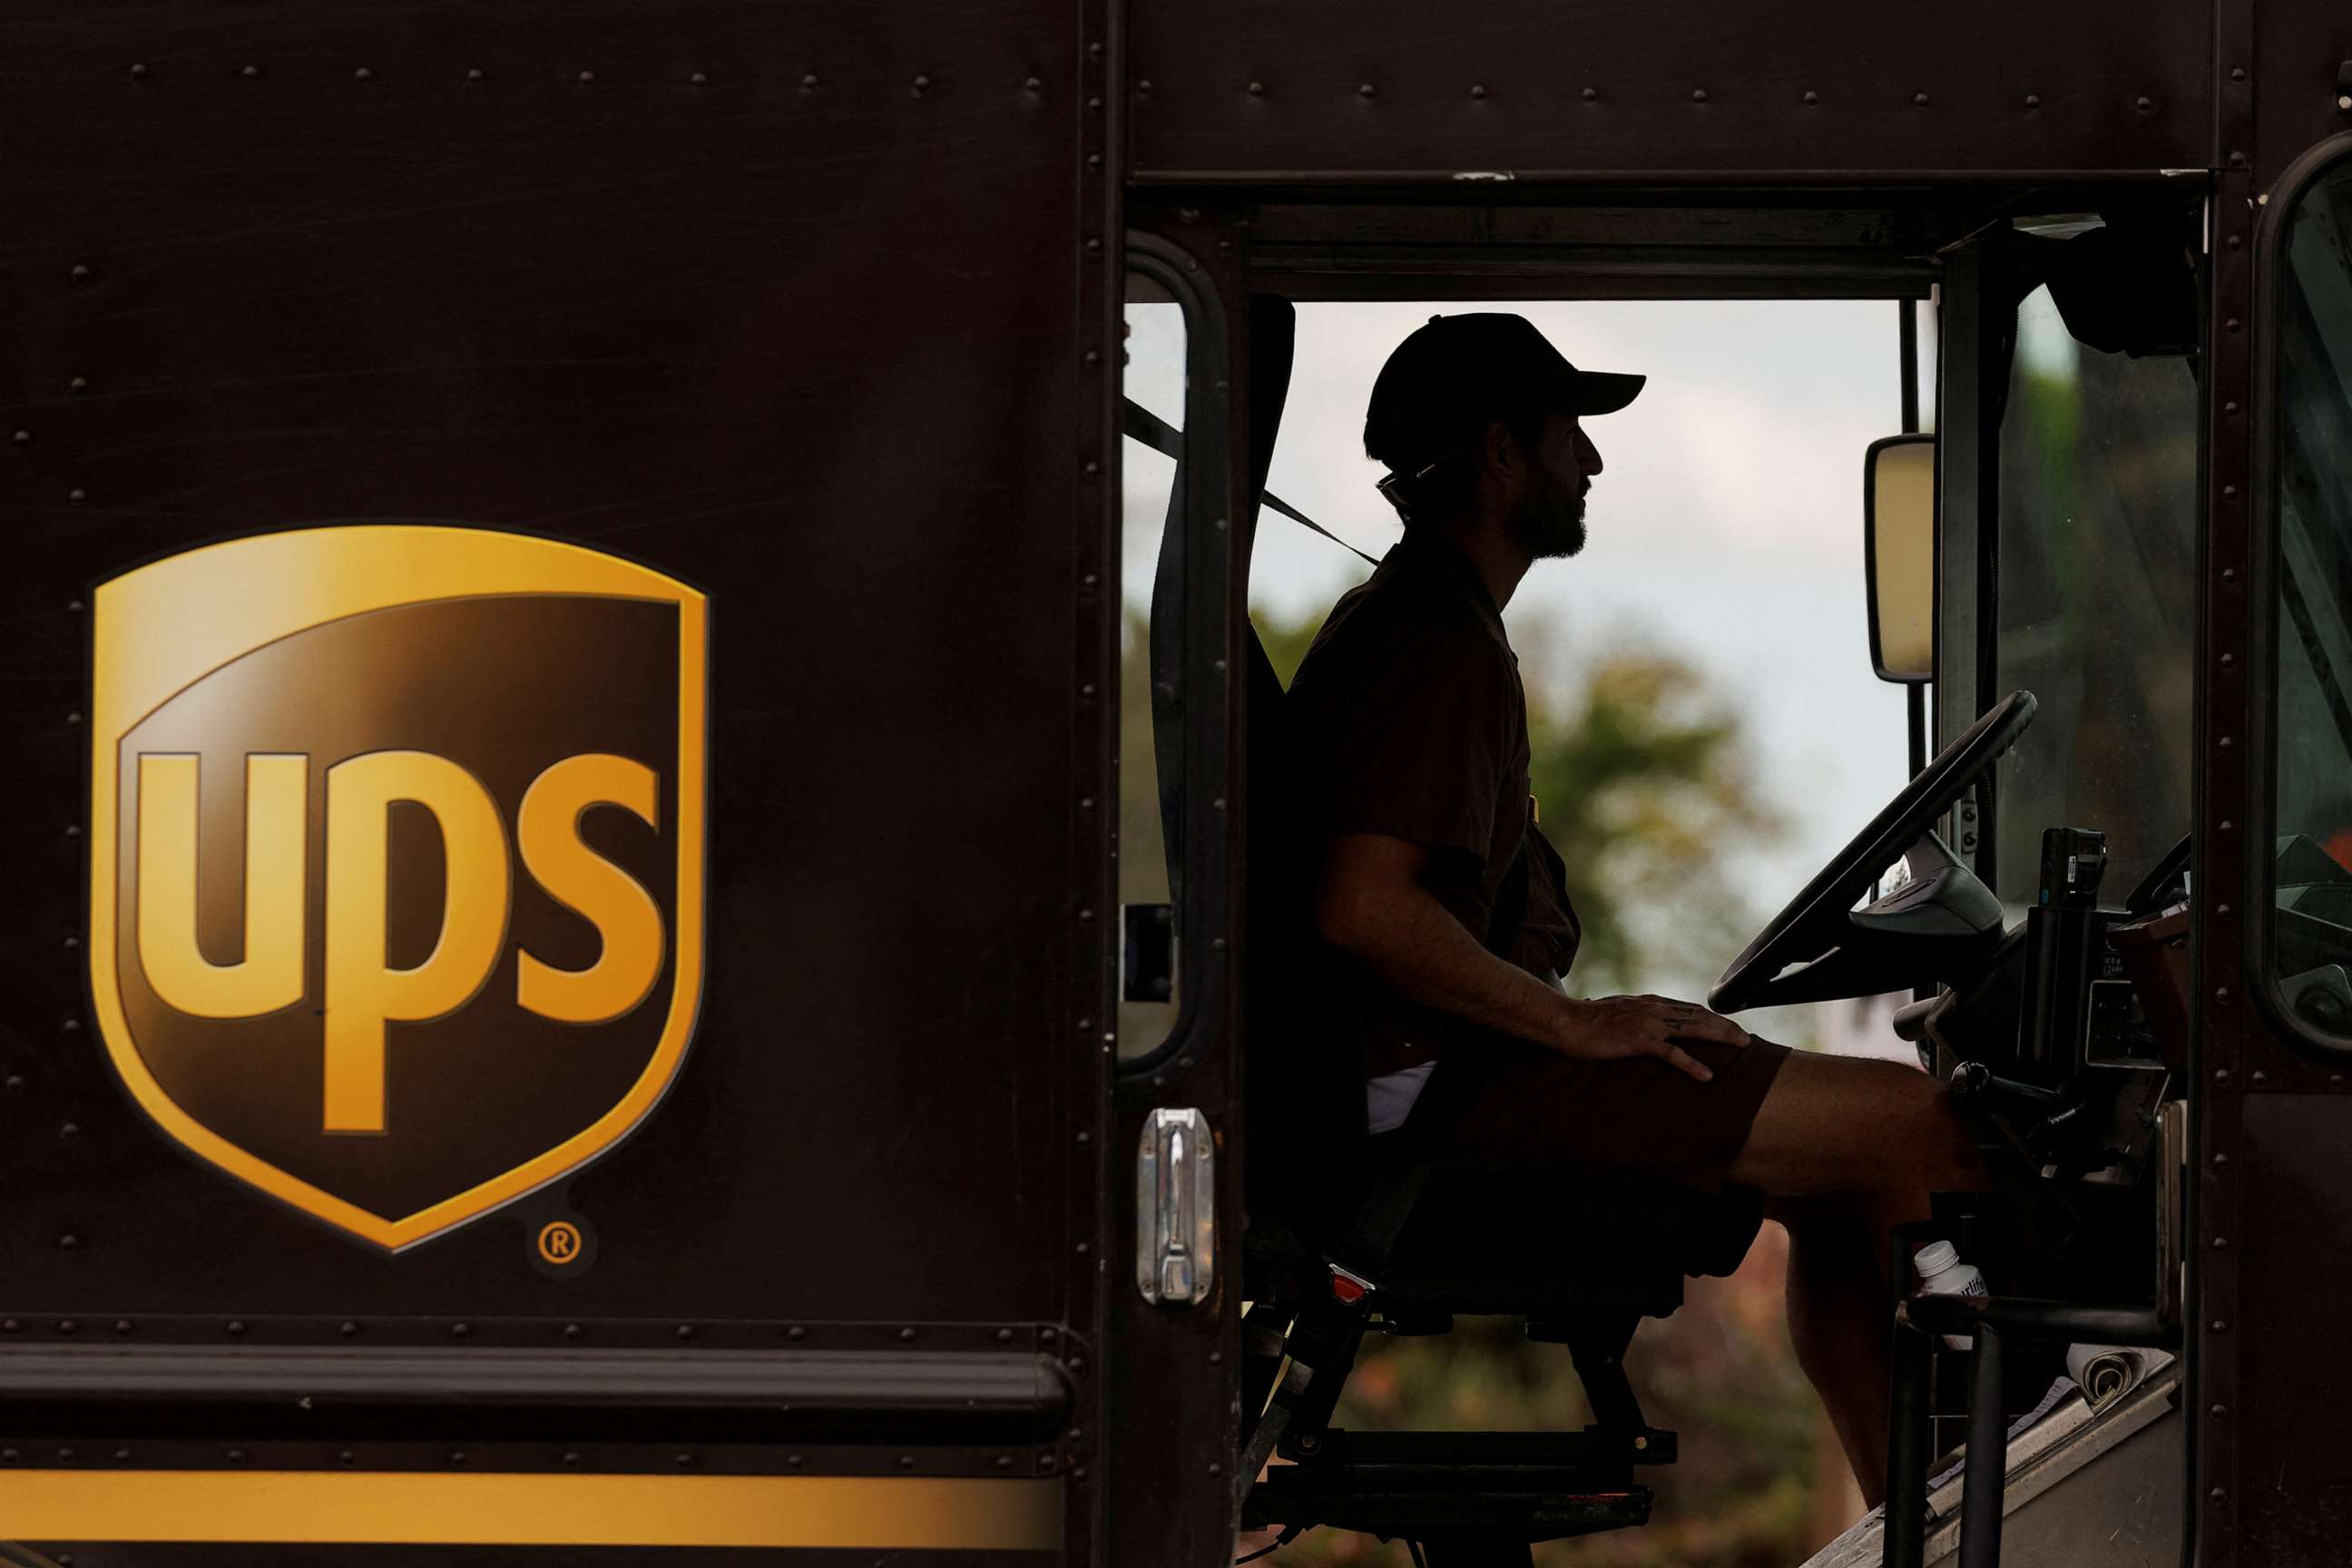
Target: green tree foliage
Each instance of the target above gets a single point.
(1645, 791)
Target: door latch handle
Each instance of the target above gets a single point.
(1176, 1208)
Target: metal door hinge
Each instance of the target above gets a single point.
(1176, 1208)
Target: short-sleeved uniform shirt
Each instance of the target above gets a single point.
(1411, 722)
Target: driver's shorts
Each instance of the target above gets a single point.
(1513, 1104)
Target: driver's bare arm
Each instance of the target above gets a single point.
(1371, 904)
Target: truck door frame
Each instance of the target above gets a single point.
(1210, 250)
(1233, 247)
(1181, 1363)
(2270, 1087)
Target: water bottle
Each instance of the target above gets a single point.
(1941, 1273)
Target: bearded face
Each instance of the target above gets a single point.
(1549, 523)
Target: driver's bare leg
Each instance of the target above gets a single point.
(1858, 1145)
(1837, 1320)
(1879, 1130)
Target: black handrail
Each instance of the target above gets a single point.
(2031, 1317)
(1991, 1321)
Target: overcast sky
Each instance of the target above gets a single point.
(1725, 527)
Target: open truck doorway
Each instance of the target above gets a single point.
(1705, 725)
(1725, 604)
(1728, 543)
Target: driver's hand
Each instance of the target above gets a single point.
(1614, 1026)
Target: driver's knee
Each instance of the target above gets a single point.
(1935, 1142)
(1846, 1124)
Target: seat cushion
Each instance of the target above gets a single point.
(1509, 1239)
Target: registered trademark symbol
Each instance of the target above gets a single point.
(559, 1241)
(561, 1248)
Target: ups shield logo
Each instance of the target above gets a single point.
(397, 860)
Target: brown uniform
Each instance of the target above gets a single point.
(1411, 723)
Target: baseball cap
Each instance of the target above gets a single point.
(1455, 372)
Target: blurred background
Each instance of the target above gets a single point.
(1705, 734)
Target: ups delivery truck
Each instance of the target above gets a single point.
(566, 989)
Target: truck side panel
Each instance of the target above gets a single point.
(777, 302)
(1614, 90)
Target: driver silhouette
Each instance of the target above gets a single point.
(1438, 899)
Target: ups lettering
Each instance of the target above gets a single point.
(363, 993)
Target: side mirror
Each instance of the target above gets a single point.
(1898, 556)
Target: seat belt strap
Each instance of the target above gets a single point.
(1364, 1251)
(1285, 508)
(1163, 438)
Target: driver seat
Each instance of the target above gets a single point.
(1349, 1232)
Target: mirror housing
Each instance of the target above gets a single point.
(1898, 556)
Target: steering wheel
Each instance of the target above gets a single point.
(1821, 922)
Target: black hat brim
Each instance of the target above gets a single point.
(1601, 392)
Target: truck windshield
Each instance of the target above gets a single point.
(2312, 722)
(2096, 599)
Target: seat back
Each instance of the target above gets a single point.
(1302, 1074)
(1303, 1133)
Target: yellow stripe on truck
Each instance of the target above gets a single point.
(492, 1509)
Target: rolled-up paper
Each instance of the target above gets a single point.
(2107, 1372)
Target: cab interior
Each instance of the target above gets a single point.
(2026, 892)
